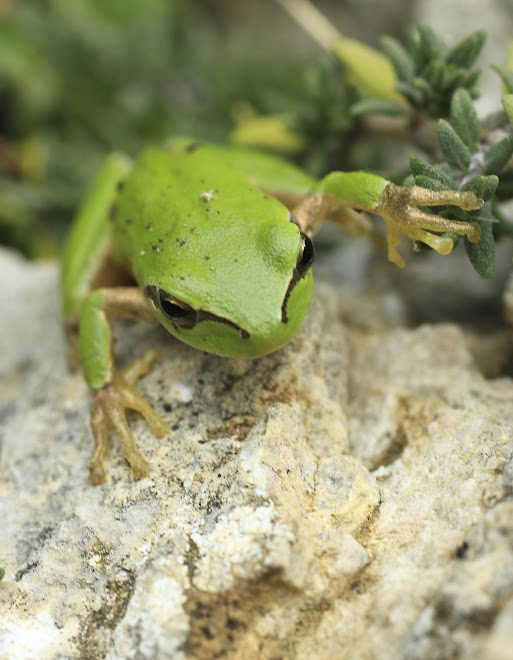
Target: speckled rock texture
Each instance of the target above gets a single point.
(348, 494)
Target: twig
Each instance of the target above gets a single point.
(312, 21)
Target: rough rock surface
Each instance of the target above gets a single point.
(350, 494)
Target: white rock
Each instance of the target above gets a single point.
(349, 494)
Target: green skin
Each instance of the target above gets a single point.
(215, 257)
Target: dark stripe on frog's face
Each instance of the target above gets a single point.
(183, 315)
(304, 261)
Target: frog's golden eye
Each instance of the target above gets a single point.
(177, 311)
(306, 255)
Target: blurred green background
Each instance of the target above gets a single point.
(81, 77)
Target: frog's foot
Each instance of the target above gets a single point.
(399, 208)
(108, 410)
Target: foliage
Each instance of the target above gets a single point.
(81, 78)
(429, 71)
(468, 164)
(78, 79)
(436, 82)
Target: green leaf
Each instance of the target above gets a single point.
(424, 87)
(400, 58)
(483, 186)
(421, 168)
(429, 182)
(376, 106)
(482, 253)
(464, 118)
(370, 70)
(469, 81)
(453, 148)
(498, 155)
(464, 54)
(453, 78)
(428, 41)
(414, 48)
(507, 104)
(434, 73)
(504, 190)
(411, 95)
(505, 227)
(506, 76)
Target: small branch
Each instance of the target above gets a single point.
(312, 21)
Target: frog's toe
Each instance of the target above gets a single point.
(108, 411)
(140, 367)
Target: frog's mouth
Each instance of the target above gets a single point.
(183, 315)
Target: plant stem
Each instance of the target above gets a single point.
(312, 21)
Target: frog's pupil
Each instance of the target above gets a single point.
(173, 310)
(180, 314)
(306, 255)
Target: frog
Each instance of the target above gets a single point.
(215, 243)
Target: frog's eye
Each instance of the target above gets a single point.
(177, 311)
(306, 255)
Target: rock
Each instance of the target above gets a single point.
(348, 494)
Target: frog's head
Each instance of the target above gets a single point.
(245, 295)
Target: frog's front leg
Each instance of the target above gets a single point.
(339, 194)
(399, 208)
(114, 390)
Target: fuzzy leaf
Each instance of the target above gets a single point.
(505, 188)
(424, 87)
(411, 95)
(507, 104)
(400, 58)
(464, 118)
(482, 253)
(453, 148)
(483, 186)
(469, 80)
(464, 54)
(506, 76)
(434, 73)
(428, 41)
(425, 181)
(413, 45)
(421, 168)
(498, 155)
(453, 78)
(376, 106)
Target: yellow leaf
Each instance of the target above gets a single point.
(369, 69)
(266, 131)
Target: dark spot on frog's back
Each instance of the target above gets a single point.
(192, 147)
(113, 210)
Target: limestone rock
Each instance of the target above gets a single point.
(348, 494)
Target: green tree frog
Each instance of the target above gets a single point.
(214, 243)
